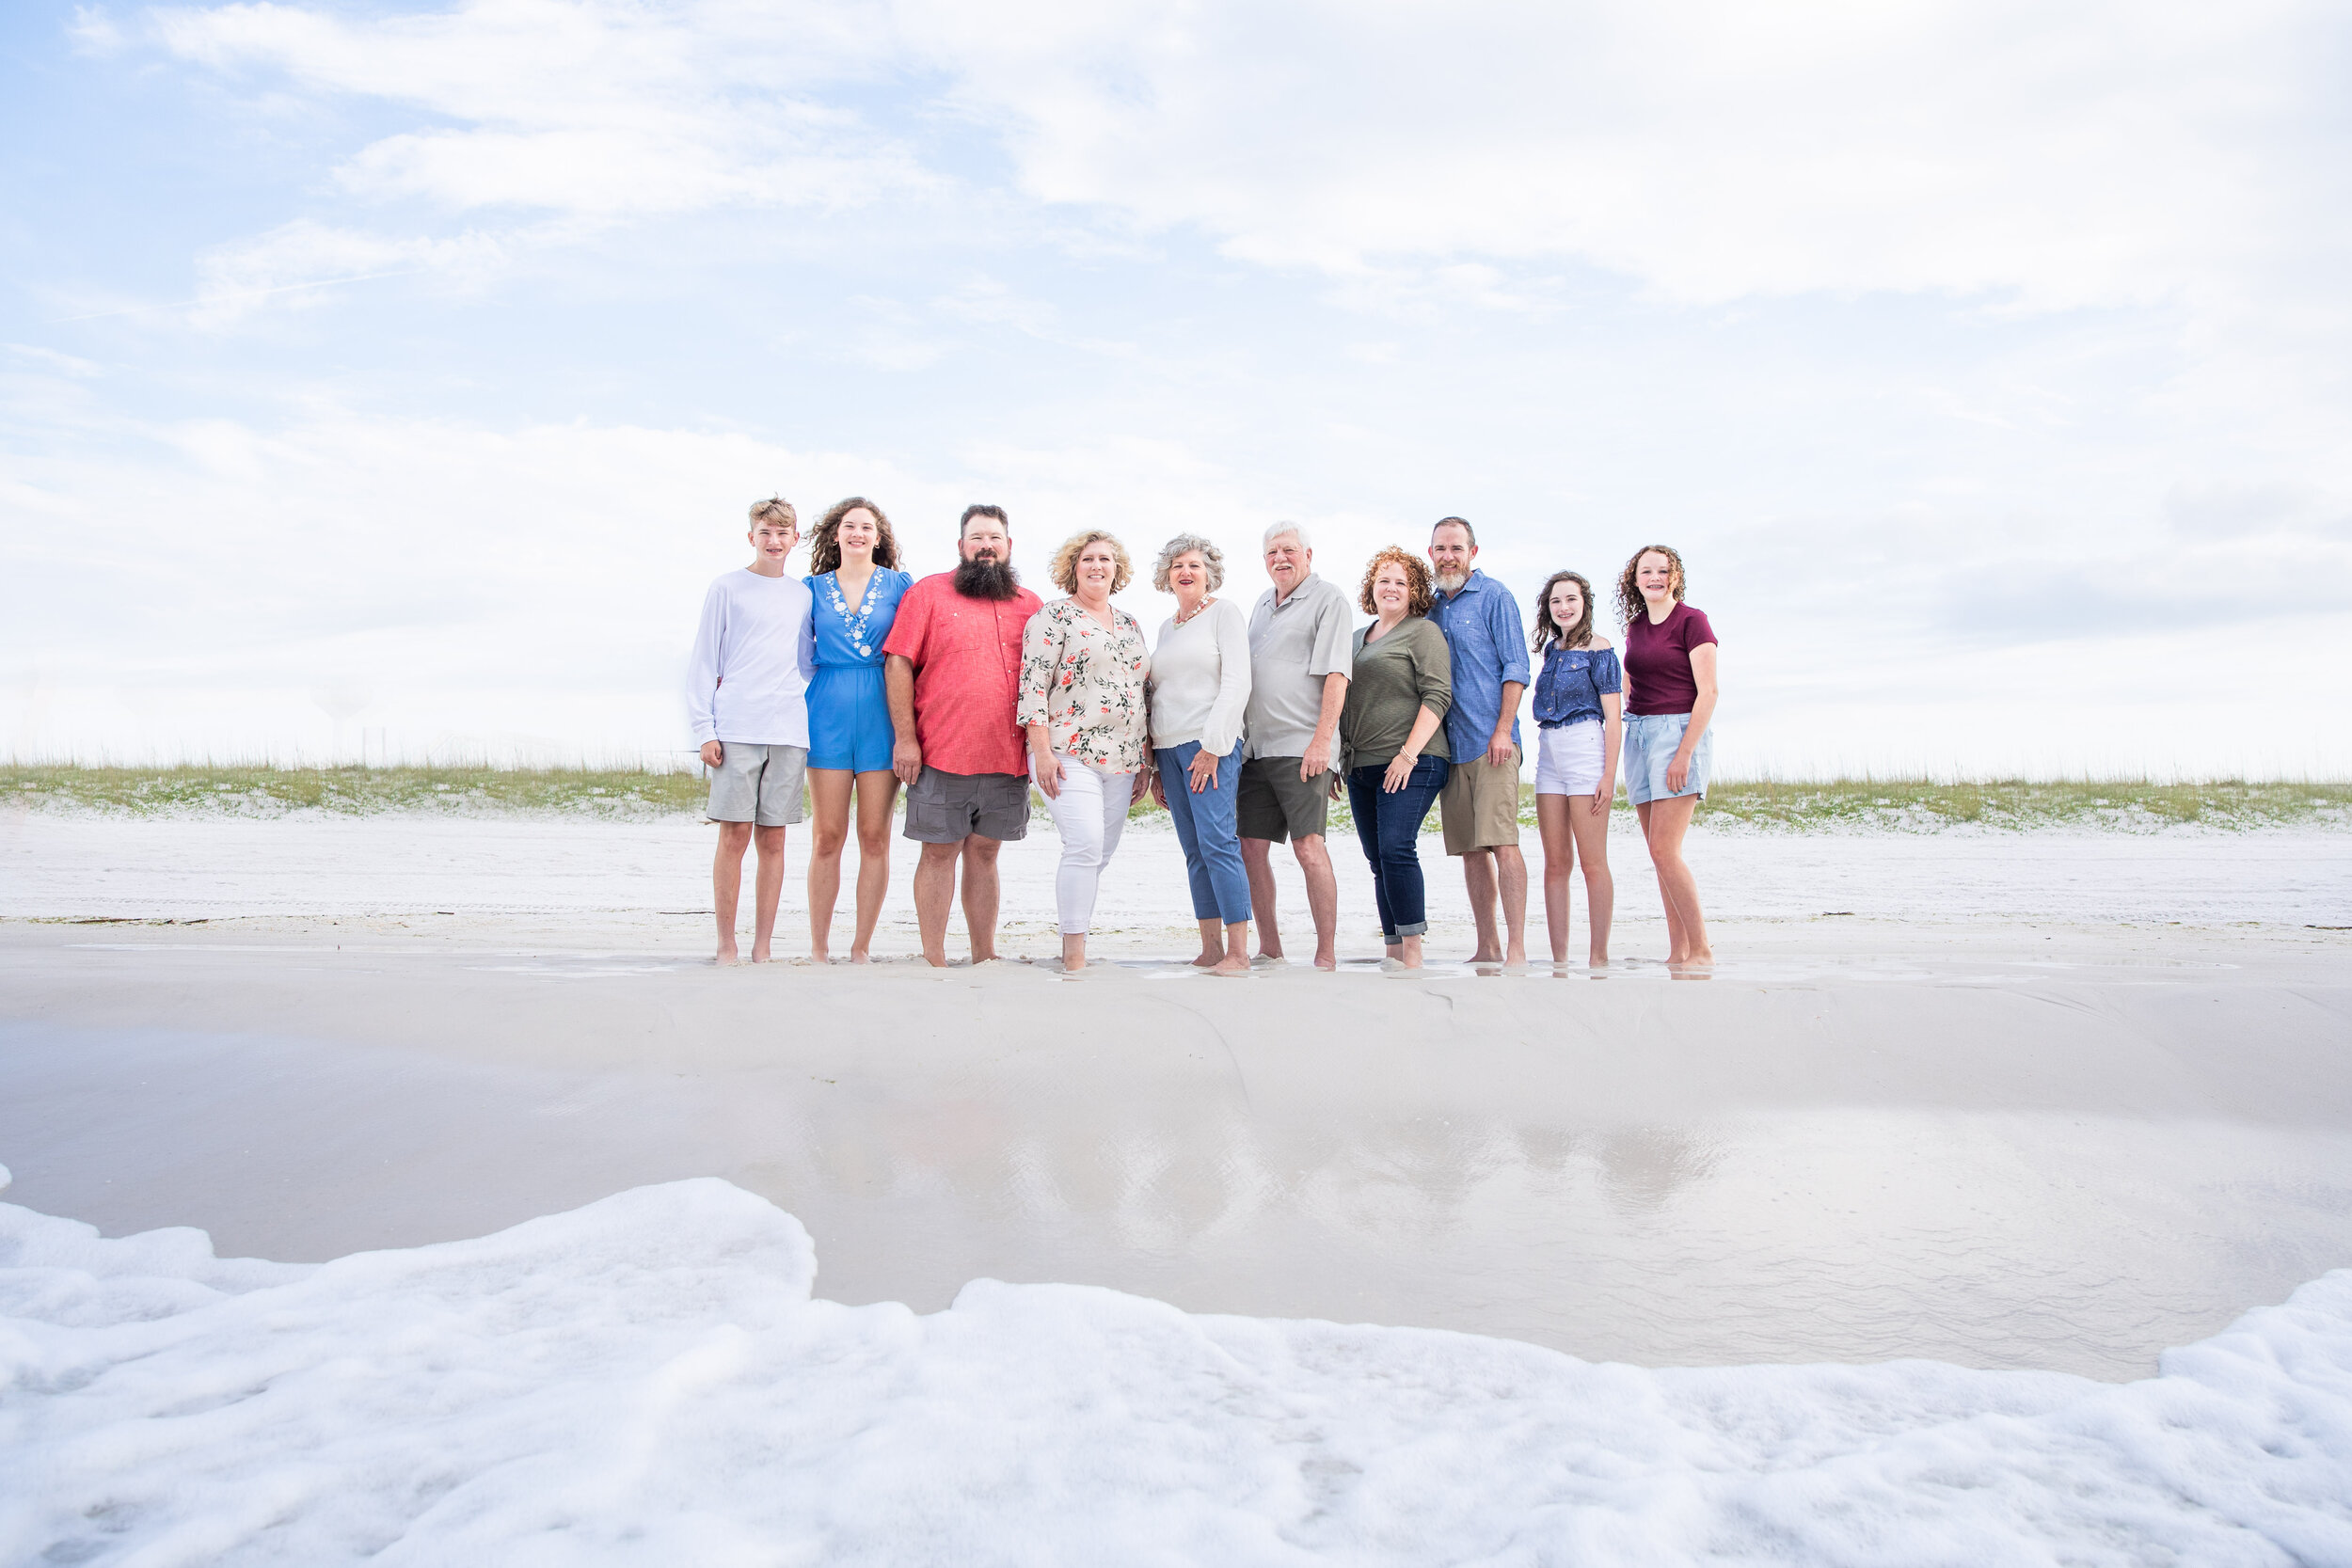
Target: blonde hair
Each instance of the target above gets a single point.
(775, 509)
(1186, 544)
(1420, 595)
(1064, 571)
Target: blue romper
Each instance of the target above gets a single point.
(848, 712)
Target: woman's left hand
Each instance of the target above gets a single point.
(1145, 779)
(1605, 797)
(1203, 771)
(1678, 773)
(1400, 772)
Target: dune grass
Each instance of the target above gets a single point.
(262, 791)
(1917, 805)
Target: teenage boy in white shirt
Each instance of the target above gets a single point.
(747, 694)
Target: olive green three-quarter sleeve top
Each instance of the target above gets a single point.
(1394, 679)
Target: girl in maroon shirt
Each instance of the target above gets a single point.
(1669, 702)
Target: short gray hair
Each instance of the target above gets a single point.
(1184, 543)
(1296, 531)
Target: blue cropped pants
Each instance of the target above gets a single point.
(1205, 827)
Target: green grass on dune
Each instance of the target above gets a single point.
(1918, 805)
(260, 791)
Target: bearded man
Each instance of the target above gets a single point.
(1480, 806)
(952, 664)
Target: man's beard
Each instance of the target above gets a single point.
(1450, 582)
(987, 579)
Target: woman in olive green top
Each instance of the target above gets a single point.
(1395, 729)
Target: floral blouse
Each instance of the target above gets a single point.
(1085, 684)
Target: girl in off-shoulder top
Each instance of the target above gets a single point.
(1578, 696)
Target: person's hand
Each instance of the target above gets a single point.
(1045, 768)
(1338, 786)
(906, 760)
(1317, 760)
(713, 754)
(1498, 749)
(1145, 779)
(1605, 797)
(1678, 773)
(1203, 773)
(1159, 791)
(1400, 772)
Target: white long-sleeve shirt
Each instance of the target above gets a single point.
(1200, 679)
(754, 654)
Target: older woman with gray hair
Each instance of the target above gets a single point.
(1199, 689)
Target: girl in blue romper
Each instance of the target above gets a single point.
(849, 738)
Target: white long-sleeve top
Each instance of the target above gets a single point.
(1200, 679)
(754, 654)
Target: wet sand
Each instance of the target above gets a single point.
(1929, 1128)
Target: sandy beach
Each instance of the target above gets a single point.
(2047, 1101)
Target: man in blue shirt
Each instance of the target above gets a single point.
(1480, 806)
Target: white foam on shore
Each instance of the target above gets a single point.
(648, 1380)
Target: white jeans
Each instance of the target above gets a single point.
(1090, 813)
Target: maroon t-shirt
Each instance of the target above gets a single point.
(1658, 661)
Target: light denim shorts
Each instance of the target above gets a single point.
(1651, 742)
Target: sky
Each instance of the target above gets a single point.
(396, 377)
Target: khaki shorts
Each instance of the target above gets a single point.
(948, 808)
(760, 784)
(1480, 805)
(1274, 805)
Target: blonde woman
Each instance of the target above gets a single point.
(1200, 693)
(1083, 667)
(1578, 725)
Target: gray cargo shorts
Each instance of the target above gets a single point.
(947, 808)
(760, 784)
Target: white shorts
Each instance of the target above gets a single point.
(1568, 759)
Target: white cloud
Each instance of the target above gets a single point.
(2077, 154)
(293, 264)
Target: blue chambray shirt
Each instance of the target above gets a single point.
(1489, 643)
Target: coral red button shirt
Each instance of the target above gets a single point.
(966, 655)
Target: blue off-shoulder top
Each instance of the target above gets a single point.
(1569, 690)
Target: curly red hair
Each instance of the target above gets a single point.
(1425, 592)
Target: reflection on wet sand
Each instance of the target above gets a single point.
(1812, 1158)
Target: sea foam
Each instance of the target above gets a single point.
(648, 1380)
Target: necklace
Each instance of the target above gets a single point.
(1184, 615)
(864, 609)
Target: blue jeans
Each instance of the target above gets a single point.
(1204, 825)
(1388, 826)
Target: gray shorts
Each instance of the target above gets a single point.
(947, 808)
(1273, 803)
(760, 785)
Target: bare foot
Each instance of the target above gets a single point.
(1326, 960)
(1209, 960)
(1483, 956)
(726, 955)
(819, 956)
(759, 953)
(859, 955)
(1598, 961)
(1269, 961)
(1232, 963)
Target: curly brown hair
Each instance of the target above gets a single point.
(1065, 568)
(824, 545)
(1630, 600)
(1548, 630)
(1415, 574)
